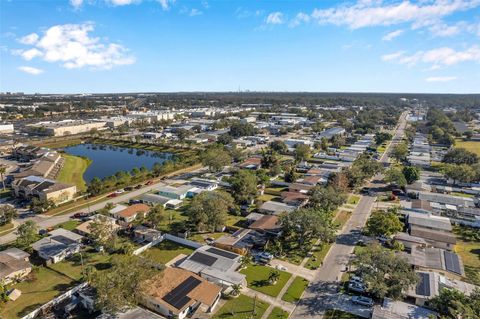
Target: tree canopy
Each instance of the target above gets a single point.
(244, 185)
(460, 156)
(385, 223)
(208, 210)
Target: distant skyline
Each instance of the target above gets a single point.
(114, 46)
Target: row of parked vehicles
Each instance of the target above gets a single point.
(356, 284)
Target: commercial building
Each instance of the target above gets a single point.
(64, 128)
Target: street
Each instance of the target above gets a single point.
(322, 293)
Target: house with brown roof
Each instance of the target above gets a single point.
(130, 213)
(44, 189)
(268, 224)
(14, 265)
(294, 198)
(178, 293)
(253, 163)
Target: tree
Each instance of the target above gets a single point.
(291, 174)
(302, 152)
(381, 137)
(3, 169)
(244, 185)
(385, 273)
(400, 152)
(411, 173)
(7, 213)
(208, 210)
(384, 223)
(317, 127)
(460, 156)
(40, 205)
(362, 169)
(27, 233)
(395, 176)
(269, 158)
(156, 216)
(326, 199)
(95, 187)
(273, 276)
(239, 129)
(305, 224)
(454, 304)
(225, 139)
(279, 146)
(102, 232)
(216, 158)
(338, 181)
(460, 173)
(182, 133)
(236, 289)
(124, 283)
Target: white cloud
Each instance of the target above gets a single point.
(441, 78)
(30, 70)
(195, 12)
(122, 2)
(73, 47)
(274, 18)
(437, 58)
(366, 13)
(166, 3)
(76, 3)
(392, 35)
(29, 39)
(444, 30)
(301, 17)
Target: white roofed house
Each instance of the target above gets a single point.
(60, 244)
(14, 265)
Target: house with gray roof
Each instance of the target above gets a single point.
(60, 244)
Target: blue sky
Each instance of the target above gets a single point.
(76, 46)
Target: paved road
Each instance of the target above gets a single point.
(322, 293)
(43, 221)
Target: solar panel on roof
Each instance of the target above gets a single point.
(222, 253)
(203, 259)
(178, 297)
(423, 287)
(452, 263)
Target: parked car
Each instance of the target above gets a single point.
(135, 201)
(112, 195)
(129, 188)
(281, 267)
(80, 215)
(364, 301)
(356, 287)
(149, 183)
(119, 191)
(138, 186)
(356, 279)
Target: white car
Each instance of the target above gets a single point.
(364, 301)
(281, 267)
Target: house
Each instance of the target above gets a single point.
(44, 189)
(409, 241)
(84, 228)
(204, 184)
(430, 285)
(46, 166)
(241, 241)
(294, 198)
(166, 202)
(275, 208)
(215, 265)
(178, 293)
(267, 224)
(130, 213)
(179, 192)
(391, 309)
(435, 259)
(300, 187)
(429, 221)
(14, 265)
(142, 233)
(438, 239)
(133, 313)
(436, 230)
(60, 244)
(331, 132)
(252, 163)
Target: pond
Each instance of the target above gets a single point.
(108, 159)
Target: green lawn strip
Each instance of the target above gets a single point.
(257, 279)
(353, 199)
(462, 195)
(69, 225)
(319, 254)
(342, 217)
(267, 197)
(200, 237)
(45, 285)
(166, 251)
(234, 220)
(295, 290)
(338, 314)
(242, 307)
(278, 313)
(72, 171)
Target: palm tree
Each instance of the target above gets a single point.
(3, 169)
(245, 260)
(236, 288)
(273, 277)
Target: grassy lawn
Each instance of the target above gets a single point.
(233, 220)
(274, 190)
(6, 227)
(174, 219)
(319, 253)
(257, 278)
(342, 217)
(266, 197)
(242, 307)
(462, 194)
(337, 314)
(353, 199)
(472, 146)
(59, 143)
(166, 251)
(72, 268)
(201, 237)
(44, 286)
(72, 171)
(69, 225)
(278, 313)
(470, 253)
(295, 290)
